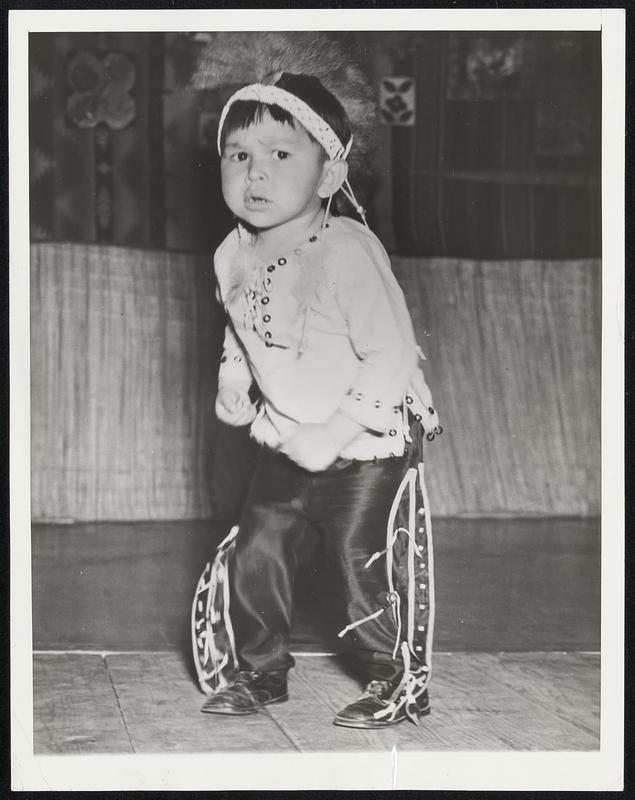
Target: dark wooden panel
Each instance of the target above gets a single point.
(161, 705)
(129, 587)
(117, 586)
(75, 707)
(499, 581)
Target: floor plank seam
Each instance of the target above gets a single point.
(121, 714)
(282, 730)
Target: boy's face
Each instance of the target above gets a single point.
(272, 174)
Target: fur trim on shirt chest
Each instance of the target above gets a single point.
(274, 298)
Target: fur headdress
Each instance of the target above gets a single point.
(231, 59)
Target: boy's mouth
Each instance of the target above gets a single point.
(256, 201)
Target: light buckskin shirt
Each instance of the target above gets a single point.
(320, 329)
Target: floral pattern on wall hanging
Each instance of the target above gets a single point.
(488, 66)
(397, 101)
(99, 99)
(100, 90)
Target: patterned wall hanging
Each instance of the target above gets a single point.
(99, 98)
(495, 65)
(397, 101)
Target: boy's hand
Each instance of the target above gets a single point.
(233, 406)
(311, 447)
(315, 447)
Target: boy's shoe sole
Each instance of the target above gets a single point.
(234, 712)
(371, 723)
(248, 693)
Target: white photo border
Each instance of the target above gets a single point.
(601, 770)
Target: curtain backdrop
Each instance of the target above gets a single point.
(514, 355)
(124, 350)
(122, 383)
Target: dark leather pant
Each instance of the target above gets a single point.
(348, 505)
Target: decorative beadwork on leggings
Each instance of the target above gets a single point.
(212, 633)
(415, 599)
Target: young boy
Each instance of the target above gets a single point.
(318, 323)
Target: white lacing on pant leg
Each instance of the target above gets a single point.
(214, 660)
(199, 637)
(431, 588)
(214, 656)
(220, 662)
(398, 696)
(415, 679)
(407, 692)
(361, 621)
(391, 542)
(390, 539)
(226, 617)
(412, 501)
(398, 614)
(228, 539)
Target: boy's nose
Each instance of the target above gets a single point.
(256, 170)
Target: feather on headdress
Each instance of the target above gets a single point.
(230, 59)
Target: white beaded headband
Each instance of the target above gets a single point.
(313, 122)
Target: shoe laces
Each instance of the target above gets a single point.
(380, 689)
(246, 676)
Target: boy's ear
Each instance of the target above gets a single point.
(334, 174)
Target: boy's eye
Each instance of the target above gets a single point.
(239, 155)
(281, 155)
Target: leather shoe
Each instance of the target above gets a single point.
(248, 693)
(376, 698)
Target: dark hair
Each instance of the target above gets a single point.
(244, 113)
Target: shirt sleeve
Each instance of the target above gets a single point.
(381, 334)
(234, 368)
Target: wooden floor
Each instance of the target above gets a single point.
(147, 703)
(515, 665)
